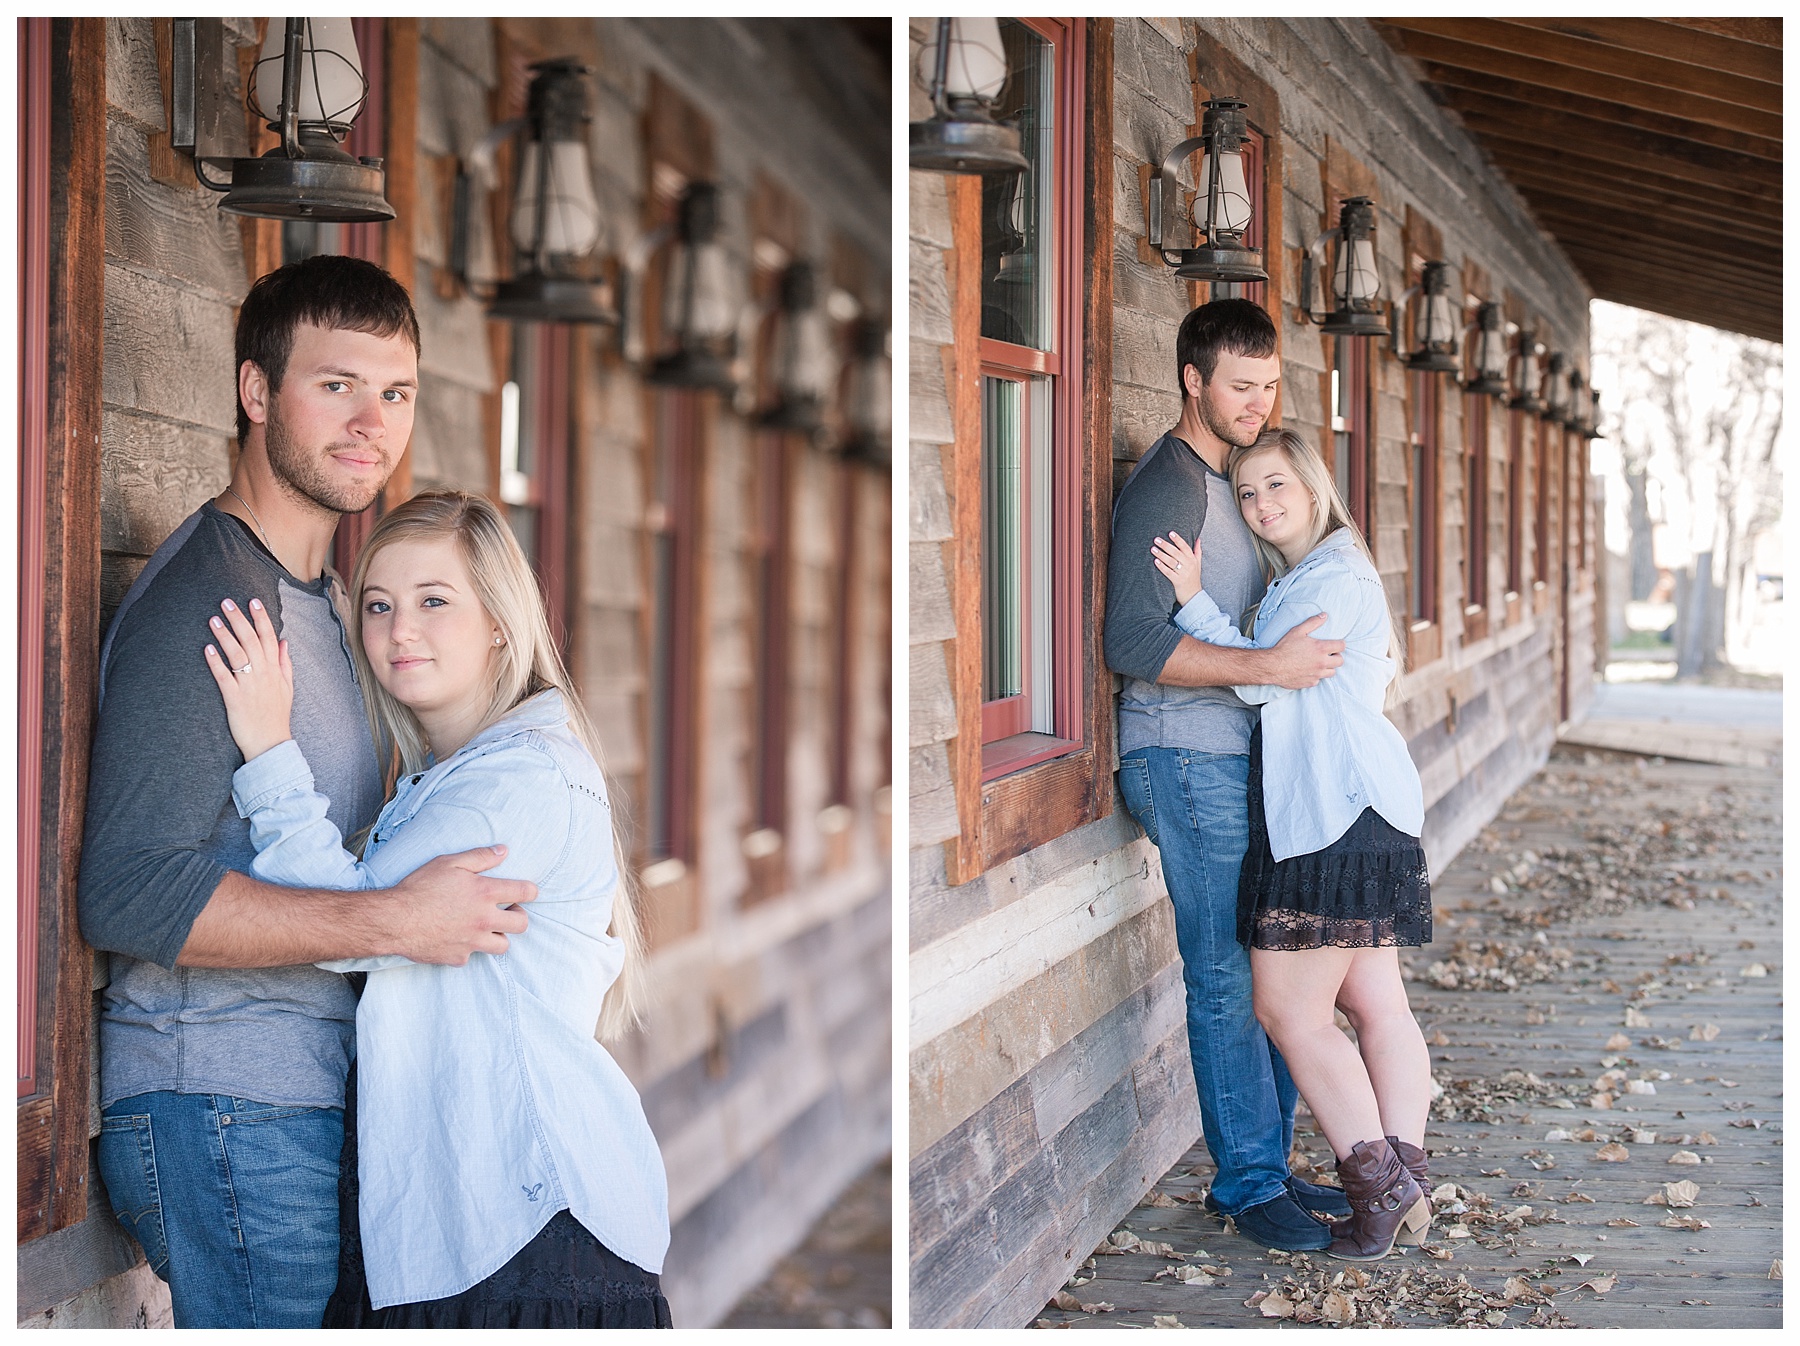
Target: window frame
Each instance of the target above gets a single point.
(1360, 422)
(1475, 516)
(1516, 430)
(1424, 521)
(1544, 562)
(1001, 816)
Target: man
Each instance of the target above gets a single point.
(1184, 742)
(223, 1050)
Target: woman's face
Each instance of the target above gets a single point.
(425, 633)
(1276, 504)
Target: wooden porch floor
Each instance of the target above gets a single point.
(1635, 906)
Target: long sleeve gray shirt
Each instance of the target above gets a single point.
(162, 831)
(1168, 491)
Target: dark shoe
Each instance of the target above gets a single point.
(1281, 1223)
(1384, 1198)
(1414, 1231)
(1319, 1199)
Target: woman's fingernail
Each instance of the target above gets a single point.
(215, 621)
(256, 603)
(229, 606)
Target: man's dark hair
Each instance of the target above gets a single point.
(327, 291)
(1235, 325)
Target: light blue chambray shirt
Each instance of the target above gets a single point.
(484, 1104)
(1328, 751)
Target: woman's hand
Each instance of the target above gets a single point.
(1180, 562)
(255, 677)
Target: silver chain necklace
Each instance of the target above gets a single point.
(253, 519)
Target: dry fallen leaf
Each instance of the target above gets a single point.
(1754, 970)
(1639, 1087)
(1166, 1320)
(1580, 1259)
(1703, 1032)
(1577, 1197)
(1775, 1270)
(1691, 1223)
(1706, 1138)
(1622, 1223)
(1681, 1194)
(1618, 1042)
(1275, 1306)
(1600, 1284)
(1160, 1201)
(1636, 1018)
(1066, 1301)
(1338, 1307)
(1432, 1250)
(1612, 1153)
(1684, 1157)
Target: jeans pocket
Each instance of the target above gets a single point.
(1134, 786)
(127, 1162)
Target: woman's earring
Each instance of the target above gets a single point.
(499, 640)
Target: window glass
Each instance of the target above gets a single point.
(1422, 572)
(1017, 241)
(1015, 546)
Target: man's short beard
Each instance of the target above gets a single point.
(1228, 430)
(303, 473)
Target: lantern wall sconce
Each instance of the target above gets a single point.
(1556, 394)
(868, 398)
(1530, 382)
(1222, 212)
(1576, 412)
(1436, 335)
(310, 75)
(804, 365)
(967, 61)
(701, 308)
(555, 223)
(1490, 352)
(1355, 282)
(1590, 428)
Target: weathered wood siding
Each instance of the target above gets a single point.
(1049, 1075)
(765, 1059)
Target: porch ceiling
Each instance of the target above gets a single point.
(1650, 149)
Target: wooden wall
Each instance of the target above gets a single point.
(1050, 1082)
(764, 1063)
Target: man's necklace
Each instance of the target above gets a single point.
(253, 519)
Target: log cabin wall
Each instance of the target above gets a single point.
(1050, 1082)
(765, 1054)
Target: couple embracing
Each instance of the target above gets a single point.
(298, 791)
(1238, 583)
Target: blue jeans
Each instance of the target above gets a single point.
(1193, 807)
(235, 1203)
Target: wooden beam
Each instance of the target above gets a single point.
(1449, 54)
(1676, 271)
(1708, 122)
(1600, 58)
(1635, 290)
(1709, 212)
(1561, 162)
(1625, 148)
(1710, 51)
(1762, 32)
(1097, 377)
(1583, 221)
(1755, 267)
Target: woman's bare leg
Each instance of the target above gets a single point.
(1295, 991)
(1397, 1061)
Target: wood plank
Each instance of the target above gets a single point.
(1690, 47)
(1709, 123)
(1681, 211)
(1569, 162)
(1095, 453)
(1763, 32)
(1504, 36)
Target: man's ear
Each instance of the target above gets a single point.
(253, 392)
(1191, 380)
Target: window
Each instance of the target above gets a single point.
(1422, 583)
(1515, 503)
(1349, 393)
(535, 436)
(672, 510)
(771, 580)
(1475, 515)
(1029, 607)
(1030, 465)
(1546, 486)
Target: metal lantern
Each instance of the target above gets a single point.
(1355, 282)
(700, 300)
(1006, 236)
(1222, 209)
(1490, 352)
(555, 223)
(1576, 411)
(1530, 381)
(1436, 338)
(868, 397)
(1556, 396)
(804, 364)
(1591, 427)
(309, 87)
(967, 64)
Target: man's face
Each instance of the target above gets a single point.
(1236, 404)
(342, 417)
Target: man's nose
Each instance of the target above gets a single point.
(368, 419)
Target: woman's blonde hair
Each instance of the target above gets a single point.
(1330, 513)
(526, 663)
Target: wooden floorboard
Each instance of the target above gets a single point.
(1646, 888)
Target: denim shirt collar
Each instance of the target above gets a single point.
(1333, 545)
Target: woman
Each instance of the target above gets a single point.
(1334, 880)
(507, 1175)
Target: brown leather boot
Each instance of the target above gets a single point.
(1383, 1197)
(1417, 1225)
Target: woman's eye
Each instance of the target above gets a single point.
(375, 607)
(434, 601)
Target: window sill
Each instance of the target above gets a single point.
(1475, 623)
(1424, 644)
(1004, 756)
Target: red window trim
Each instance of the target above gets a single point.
(1475, 511)
(1358, 422)
(1423, 518)
(1062, 363)
(680, 426)
(1515, 502)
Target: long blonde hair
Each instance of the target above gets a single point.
(1330, 513)
(527, 663)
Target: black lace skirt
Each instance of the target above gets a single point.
(565, 1277)
(1367, 889)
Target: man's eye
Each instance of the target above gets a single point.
(333, 385)
(395, 394)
